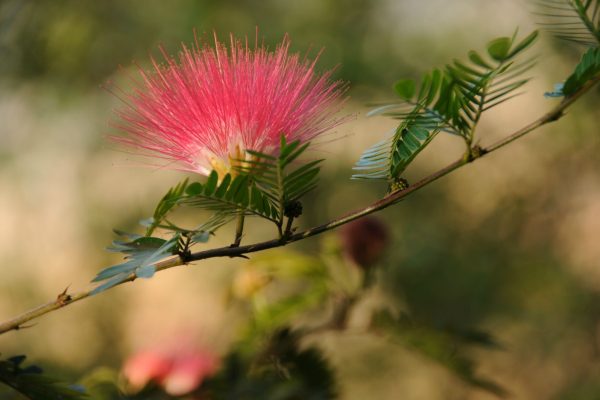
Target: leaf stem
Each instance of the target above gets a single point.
(288, 226)
(65, 299)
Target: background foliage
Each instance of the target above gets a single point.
(506, 247)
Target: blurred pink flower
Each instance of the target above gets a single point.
(177, 373)
(187, 373)
(203, 109)
(144, 367)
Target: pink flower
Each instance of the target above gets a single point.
(187, 373)
(178, 373)
(205, 108)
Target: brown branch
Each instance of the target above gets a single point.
(65, 299)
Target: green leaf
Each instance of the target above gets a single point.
(499, 48)
(524, 44)
(292, 156)
(141, 257)
(145, 271)
(239, 183)
(147, 222)
(211, 183)
(194, 189)
(557, 92)
(164, 206)
(286, 150)
(223, 186)
(575, 21)
(409, 142)
(405, 88)
(232, 197)
(143, 243)
(201, 237)
(274, 185)
(258, 154)
(478, 60)
(587, 69)
(450, 100)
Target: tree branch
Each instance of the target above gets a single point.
(65, 299)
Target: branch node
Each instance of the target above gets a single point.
(398, 185)
(555, 116)
(63, 298)
(21, 327)
(476, 152)
(185, 256)
(183, 250)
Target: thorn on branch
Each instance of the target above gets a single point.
(21, 327)
(63, 298)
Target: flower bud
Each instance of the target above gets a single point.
(364, 240)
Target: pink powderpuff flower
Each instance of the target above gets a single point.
(203, 109)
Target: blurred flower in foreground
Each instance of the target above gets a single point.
(364, 240)
(248, 281)
(177, 373)
(207, 107)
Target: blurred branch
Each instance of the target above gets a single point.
(64, 299)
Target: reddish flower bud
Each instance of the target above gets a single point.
(364, 240)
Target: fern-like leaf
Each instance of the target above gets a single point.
(410, 138)
(141, 254)
(230, 196)
(449, 100)
(587, 69)
(282, 185)
(572, 20)
(164, 206)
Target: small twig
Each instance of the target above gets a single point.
(288, 226)
(184, 252)
(391, 198)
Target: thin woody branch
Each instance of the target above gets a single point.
(64, 299)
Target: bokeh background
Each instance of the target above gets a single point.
(508, 245)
